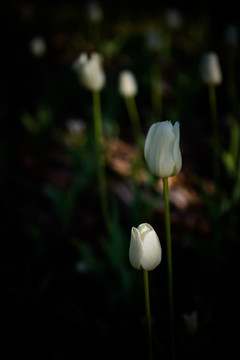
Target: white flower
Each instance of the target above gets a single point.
(162, 151)
(191, 321)
(75, 126)
(210, 69)
(145, 250)
(174, 19)
(231, 35)
(38, 46)
(95, 12)
(127, 84)
(90, 71)
(153, 40)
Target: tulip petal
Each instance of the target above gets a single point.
(176, 151)
(152, 252)
(153, 148)
(136, 249)
(165, 149)
(149, 143)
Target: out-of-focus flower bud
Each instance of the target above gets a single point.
(153, 40)
(174, 19)
(145, 250)
(38, 46)
(231, 35)
(210, 69)
(90, 71)
(162, 151)
(191, 321)
(127, 84)
(94, 12)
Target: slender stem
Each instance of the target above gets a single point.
(134, 117)
(234, 140)
(100, 168)
(169, 262)
(148, 313)
(213, 113)
(156, 89)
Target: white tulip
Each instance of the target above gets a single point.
(191, 321)
(174, 19)
(231, 35)
(145, 250)
(127, 84)
(162, 151)
(153, 40)
(210, 69)
(38, 46)
(90, 71)
(95, 12)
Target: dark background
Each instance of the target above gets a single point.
(67, 291)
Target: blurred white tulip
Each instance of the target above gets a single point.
(90, 71)
(153, 40)
(231, 35)
(127, 84)
(173, 19)
(210, 69)
(94, 12)
(38, 46)
(191, 321)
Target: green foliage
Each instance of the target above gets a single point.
(99, 304)
(38, 123)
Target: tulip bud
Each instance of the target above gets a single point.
(38, 47)
(162, 152)
(95, 12)
(90, 71)
(231, 35)
(145, 250)
(191, 321)
(210, 69)
(174, 19)
(127, 84)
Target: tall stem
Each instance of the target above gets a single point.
(134, 117)
(148, 313)
(156, 89)
(169, 262)
(213, 113)
(100, 167)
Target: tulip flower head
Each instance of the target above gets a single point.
(210, 69)
(127, 84)
(95, 12)
(90, 71)
(191, 321)
(38, 47)
(162, 151)
(231, 35)
(174, 19)
(145, 250)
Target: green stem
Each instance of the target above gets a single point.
(134, 117)
(100, 167)
(234, 140)
(215, 145)
(169, 262)
(156, 96)
(148, 313)
(156, 89)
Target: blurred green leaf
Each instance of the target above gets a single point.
(38, 123)
(228, 162)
